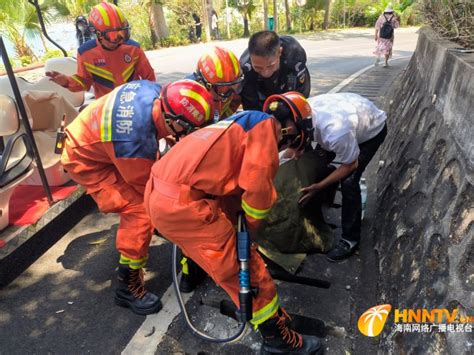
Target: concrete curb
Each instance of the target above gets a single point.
(354, 76)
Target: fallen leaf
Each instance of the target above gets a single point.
(98, 241)
(150, 333)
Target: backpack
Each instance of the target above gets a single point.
(387, 28)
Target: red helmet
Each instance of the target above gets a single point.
(292, 105)
(188, 103)
(219, 68)
(109, 22)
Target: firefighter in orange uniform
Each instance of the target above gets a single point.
(110, 60)
(219, 71)
(110, 149)
(237, 156)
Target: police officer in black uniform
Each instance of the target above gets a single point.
(272, 64)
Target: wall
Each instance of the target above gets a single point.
(425, 221)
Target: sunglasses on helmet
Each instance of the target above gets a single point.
(116, 35)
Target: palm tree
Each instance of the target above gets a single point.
(288, 16)
(246, 8)
(19, 23)
(71, 8)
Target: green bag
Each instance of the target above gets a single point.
(289, 231)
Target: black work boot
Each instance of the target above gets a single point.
(131, 292)
(192, 275)
(278, 338)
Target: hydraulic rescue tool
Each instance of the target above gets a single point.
(244, 313)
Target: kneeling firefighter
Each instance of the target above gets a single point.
(110, 149)
(187, 194)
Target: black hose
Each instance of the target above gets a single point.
(195, 331)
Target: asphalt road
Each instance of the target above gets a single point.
(332, 56)
(63, 302)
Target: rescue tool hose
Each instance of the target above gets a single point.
(195, 331)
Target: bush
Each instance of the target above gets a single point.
(137, 16)
(173, 41)
(53, 53)
(25, 60)
(451, 19)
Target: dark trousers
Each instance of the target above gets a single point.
(350, 189)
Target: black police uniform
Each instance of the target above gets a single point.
(293, 75)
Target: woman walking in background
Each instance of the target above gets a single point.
(384, 34)
(215, 26)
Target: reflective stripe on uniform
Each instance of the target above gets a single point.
(254, 212)
(79, 81)
(260, 316)
(128, 71)
(106, 118)
(184, 266)
(99, 72)
(133, 263)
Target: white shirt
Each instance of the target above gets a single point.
(214, 22)
(342, 121)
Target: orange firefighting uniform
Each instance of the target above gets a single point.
(110, 149)
(105, 69)
(190, 185)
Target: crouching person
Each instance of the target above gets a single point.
(110, 149)
(353, 128)
(187, 191)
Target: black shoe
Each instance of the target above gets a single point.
(194, 276)
(131, 292)
(279, 338)
(341, 251)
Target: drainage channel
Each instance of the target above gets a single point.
(373, 82)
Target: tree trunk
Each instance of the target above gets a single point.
(288, 16)
(246, 26)
(205, 19)
(43, 42)
(159, 29)
(275, 15)
(326, 15)
(265, 14)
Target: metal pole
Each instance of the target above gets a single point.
(43, 28)
(24, 119)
